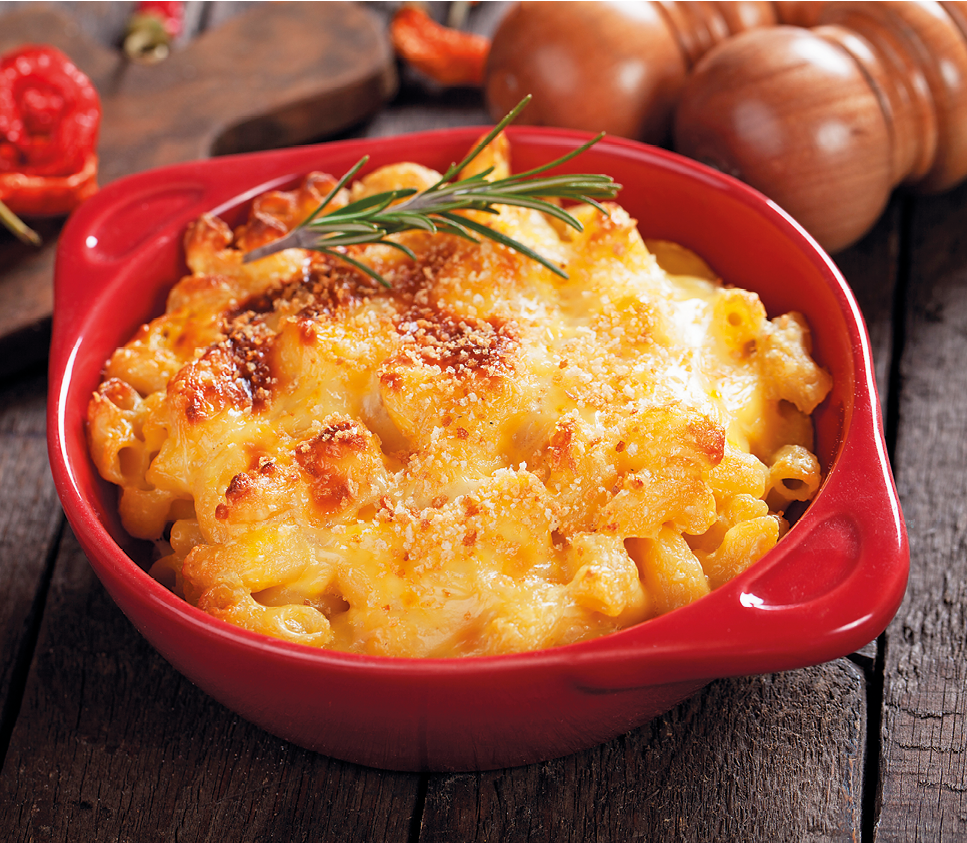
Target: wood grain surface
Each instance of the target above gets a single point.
(925, 695)
(100, 740)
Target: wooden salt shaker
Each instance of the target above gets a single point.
(828, 121)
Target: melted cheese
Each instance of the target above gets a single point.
(483, 459)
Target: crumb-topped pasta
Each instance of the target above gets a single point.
(483, 458)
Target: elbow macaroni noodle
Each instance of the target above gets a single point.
(483, 459)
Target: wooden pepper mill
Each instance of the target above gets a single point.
(827, 121)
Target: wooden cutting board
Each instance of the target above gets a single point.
(280, 74)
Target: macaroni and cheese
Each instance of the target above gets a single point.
(484, 458)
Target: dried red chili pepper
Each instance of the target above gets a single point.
(152, 29)
(448, 56)
(50, 114)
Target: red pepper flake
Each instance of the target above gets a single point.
(448, 56)
(50, 114)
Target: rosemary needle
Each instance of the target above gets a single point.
(374, 218)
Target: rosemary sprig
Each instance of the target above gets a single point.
(377, 217)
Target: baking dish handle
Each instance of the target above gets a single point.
(855, 545)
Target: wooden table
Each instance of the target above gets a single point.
(100, 740)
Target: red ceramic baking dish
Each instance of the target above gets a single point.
(830, 586)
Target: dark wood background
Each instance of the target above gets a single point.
(100, 740)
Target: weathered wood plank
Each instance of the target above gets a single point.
(29, 520)
(870, 267)
(761, 759)
(925, 705)
(113, 745)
